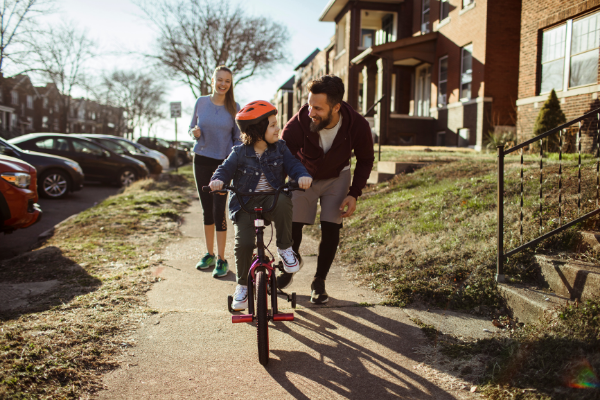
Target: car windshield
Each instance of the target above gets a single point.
(116, 147)
(5, 145)
(130, 148)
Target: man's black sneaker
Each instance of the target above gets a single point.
(318, 294)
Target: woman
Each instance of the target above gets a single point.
(214, 128)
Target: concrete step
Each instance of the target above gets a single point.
(378, 177)
(591, 239)
(575, 280)
(530, 305)
(395, 168)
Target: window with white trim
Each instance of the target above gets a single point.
(425, 17)
(467, 3)
(30, 101)
(44, 122)
(570, 54)
(466, 72)
(341, 35)
(442, 81)
(14, 97)
(444, 9)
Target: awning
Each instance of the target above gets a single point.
(408, 51)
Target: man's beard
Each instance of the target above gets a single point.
(317, 127)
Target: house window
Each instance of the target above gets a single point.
(30, 123)
(442, 82)
(467, 3)
(44, 122)
(425, 17)
(30, 102)
(56, 107)
(367, 37)
(45, 102)
(387, 28)
(570, 54)
(466, 72)
(14, 96)
(341, 35)
(13, 118)
(444, 9)
(393, 95)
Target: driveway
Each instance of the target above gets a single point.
(55, 211)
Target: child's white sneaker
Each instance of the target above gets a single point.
(240, 298)
(290, 261)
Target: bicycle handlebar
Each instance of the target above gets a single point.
(286, 187)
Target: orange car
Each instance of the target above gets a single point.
(18, 195)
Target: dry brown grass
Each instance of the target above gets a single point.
(59, 343)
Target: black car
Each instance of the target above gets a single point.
(56, 176)
(98, 163)
(125, 149)
(177, 155)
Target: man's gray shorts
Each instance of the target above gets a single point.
(329, 193)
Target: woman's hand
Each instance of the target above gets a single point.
(215, 185)
(196, 132)
(304, 182)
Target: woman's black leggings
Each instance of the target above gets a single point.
(213, 206)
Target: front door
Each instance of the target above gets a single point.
(423, 91)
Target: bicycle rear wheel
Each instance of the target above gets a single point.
(262, 322)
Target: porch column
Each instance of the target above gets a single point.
(365, 87)
(383, 108)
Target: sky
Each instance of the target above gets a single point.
(118, 27)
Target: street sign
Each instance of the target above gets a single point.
(176, 109)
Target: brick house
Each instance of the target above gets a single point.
(47, 106)
(17, 95)
(559, 50)
(446, 71)
(284, 101)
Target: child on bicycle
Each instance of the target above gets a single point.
(260, 164)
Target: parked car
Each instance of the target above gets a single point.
(57, 176)
(18, 195)
(164, 160)
(98, 163)
(177, 155)
(125, 149)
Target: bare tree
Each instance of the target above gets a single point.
(61, 56)
(16, 22)
(196, 36)
(139, 94)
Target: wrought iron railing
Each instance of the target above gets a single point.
(560, 130)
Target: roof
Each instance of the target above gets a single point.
(308, 59)
(409, 44)
(334, 7)
(289, 85)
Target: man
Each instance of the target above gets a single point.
(322, 135)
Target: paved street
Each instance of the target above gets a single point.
(190, 348)
(54, 211)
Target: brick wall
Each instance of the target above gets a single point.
(537, 16)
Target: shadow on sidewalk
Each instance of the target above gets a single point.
(349, 366)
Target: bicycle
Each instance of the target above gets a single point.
(261, 276)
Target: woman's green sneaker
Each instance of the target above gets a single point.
(206, 262)
(221, 269)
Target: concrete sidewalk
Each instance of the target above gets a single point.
(190, 348)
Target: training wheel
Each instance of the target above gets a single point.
(293, 299)
(229, 301)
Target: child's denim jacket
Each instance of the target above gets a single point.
(244, 167)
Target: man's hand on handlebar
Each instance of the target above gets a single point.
(216, 185)
(305, 182)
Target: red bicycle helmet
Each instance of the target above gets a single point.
(254, 112)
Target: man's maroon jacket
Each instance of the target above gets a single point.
(354, 134)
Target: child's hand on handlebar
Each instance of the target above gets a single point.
(216, 185)
(304, 182)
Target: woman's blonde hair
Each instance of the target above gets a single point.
(229, 98)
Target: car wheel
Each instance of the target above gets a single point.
(127, 177)
(54, 184)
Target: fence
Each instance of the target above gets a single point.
(560, 130)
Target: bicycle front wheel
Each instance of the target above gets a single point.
(262, 322)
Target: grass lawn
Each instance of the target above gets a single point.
(430, 237)
(98, 262)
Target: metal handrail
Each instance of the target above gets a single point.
(379, 138)
(501, 153)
